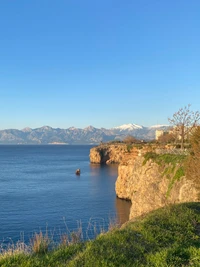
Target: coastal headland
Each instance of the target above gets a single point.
(150, 176)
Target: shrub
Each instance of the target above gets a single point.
(131, 140)
(193, 163)
(150, 155)
(129, 147)
(40, 243)
(166, 138)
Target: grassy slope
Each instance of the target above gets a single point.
(166, 237)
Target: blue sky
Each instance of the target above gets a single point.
(103, 63)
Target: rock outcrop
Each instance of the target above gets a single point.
(149, 188)
(112, 153)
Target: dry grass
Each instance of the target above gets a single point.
(40, 243)
(166, 237)
(43, 242)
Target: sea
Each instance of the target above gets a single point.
(40, 192)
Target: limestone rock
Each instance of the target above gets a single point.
(148, 189)
(112, 153)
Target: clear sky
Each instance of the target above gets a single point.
(103, 63)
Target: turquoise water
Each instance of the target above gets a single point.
(39, 190)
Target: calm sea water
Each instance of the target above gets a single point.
(39, 190)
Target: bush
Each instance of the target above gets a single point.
(40, 243)
(131, 140)
(129, 147)
(166, 138)
(193, 163)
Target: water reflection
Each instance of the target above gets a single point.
(96, 169)
(108, 174)
(123, 210)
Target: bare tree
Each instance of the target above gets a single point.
(183, 121)
(166, 138)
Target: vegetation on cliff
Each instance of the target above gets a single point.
(171, 165)
(166, 237)
(167, 158)
(175, 166)
(193, 163)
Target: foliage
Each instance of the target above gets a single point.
(129, 147)
(172, 166)
(150, 155)
(177, 176)
(166, 237)
(58, 257)
(164, 158)
(131, 140)
(166, 138)
(193, 163)
(40, 243)
(184, 120)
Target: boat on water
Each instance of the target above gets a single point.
(78, 172)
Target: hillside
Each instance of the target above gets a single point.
(166, 237)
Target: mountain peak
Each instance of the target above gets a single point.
(72, 135)
(89, 128)
(72, 128)
(128, 127)
(45, 128)
(27, 129)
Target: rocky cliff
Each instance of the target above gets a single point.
(147, 183)
(150, 186)
(112, 153)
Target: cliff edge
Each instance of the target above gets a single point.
(151, 185)
(148, 176)
(112, 153)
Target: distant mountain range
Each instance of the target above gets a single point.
(72, 135)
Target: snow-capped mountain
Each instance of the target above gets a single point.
(128, 127)
(73, 135)
(27, 129)
(158, 126)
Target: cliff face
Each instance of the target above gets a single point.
(112, 153)
(148, 188)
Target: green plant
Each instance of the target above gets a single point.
(40, 243)
(176, 177)
(150, 155)
(129, 147)
(165, 237)
(171, 165)
(193, 162)
(75, 237)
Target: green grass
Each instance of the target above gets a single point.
(180, 172)
(58, 257)
(166, 237)
(171, 165)
(162, 159)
